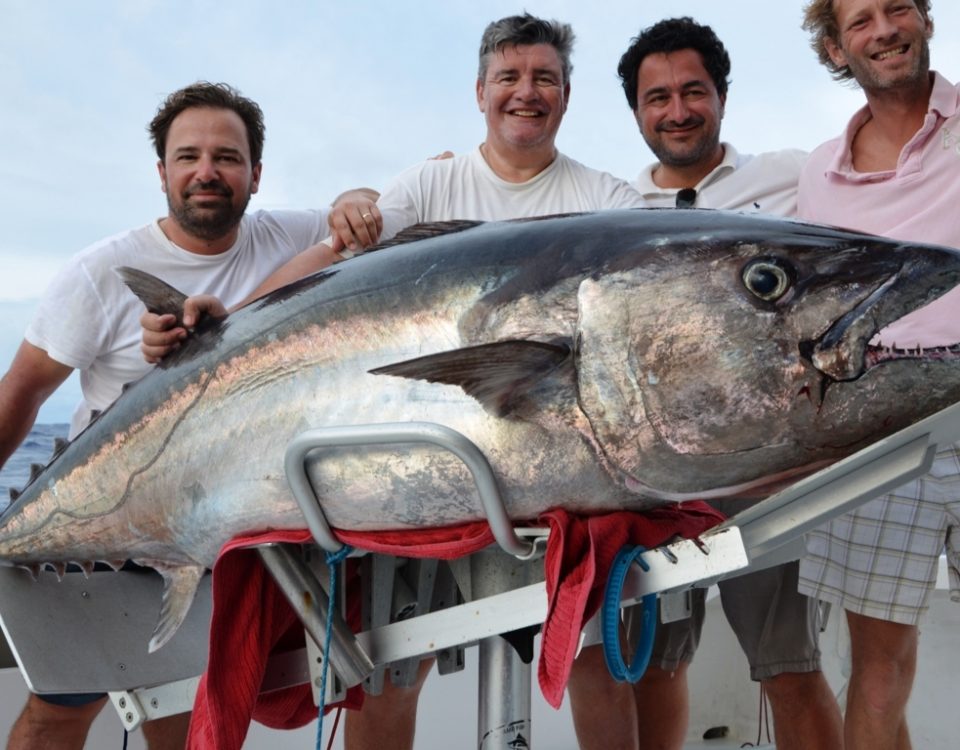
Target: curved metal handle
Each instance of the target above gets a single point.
(393, 433)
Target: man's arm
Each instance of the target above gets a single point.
(352, 208)
(32, 377)
(160, 337)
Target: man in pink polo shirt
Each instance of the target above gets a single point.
(894, 171)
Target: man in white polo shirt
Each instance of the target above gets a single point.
(675, 79)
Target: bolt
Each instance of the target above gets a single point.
(122, 702)
(154, 702)
(129, 717)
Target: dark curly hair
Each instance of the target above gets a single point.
(673, 35)
(215, 96)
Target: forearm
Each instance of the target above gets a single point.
(18, 422)
(32, 377)
(305, 263)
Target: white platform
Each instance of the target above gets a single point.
(721, 693)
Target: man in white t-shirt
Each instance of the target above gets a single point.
(675, 78)
(522, 88)
(209, 141)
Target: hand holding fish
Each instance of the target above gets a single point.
(355, 224)
(162, 334)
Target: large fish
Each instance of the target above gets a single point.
(600, 361)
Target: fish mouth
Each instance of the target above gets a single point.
(846, 352)
(877, 355)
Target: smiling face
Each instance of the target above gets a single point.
(883, 42)
(679, 110)
(207, 174)
(523, 98)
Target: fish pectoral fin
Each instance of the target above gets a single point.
(179, 588)
(494, 374)
(159, 297)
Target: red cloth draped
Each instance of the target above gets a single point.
(252, 619)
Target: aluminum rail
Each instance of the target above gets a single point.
(393, 433)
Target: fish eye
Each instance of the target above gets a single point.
(767, 279)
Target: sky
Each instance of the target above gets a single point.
(353, 92)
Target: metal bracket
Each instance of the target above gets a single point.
(145, 704)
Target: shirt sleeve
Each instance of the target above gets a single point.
(401, 202)
(72, 321)
(303, 228)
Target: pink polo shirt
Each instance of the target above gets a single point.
(918, 201)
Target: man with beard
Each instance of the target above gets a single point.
(674, 76)
(522, 89)
(892, 172)
(209, 140)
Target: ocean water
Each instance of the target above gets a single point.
(36, 449)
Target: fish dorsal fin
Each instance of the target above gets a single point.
(426, 231)
(35, 471)
(494, 374)
(179, 588)
(59, 446)
(158, 296)
(14, 494)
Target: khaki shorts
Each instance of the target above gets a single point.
(777, 627)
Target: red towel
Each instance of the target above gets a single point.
(251, 617)
(580, 552)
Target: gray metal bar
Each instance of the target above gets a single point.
(504, 707)
(390, 434)
(490, 615)
(809, 504)
(311, 604)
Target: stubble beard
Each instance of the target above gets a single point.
(208, 223)
(701, 150)
(870, 81)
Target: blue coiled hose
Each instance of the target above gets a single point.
(610, 619)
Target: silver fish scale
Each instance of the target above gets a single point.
(647, 408)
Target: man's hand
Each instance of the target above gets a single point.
(161, 334)
(355, 221)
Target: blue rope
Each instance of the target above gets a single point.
(333, 560)
(610, 619)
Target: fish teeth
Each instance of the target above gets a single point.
(33, 569)
(59, 568)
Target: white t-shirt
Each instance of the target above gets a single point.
(89, 320)
(465, 187)
(765, 183)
